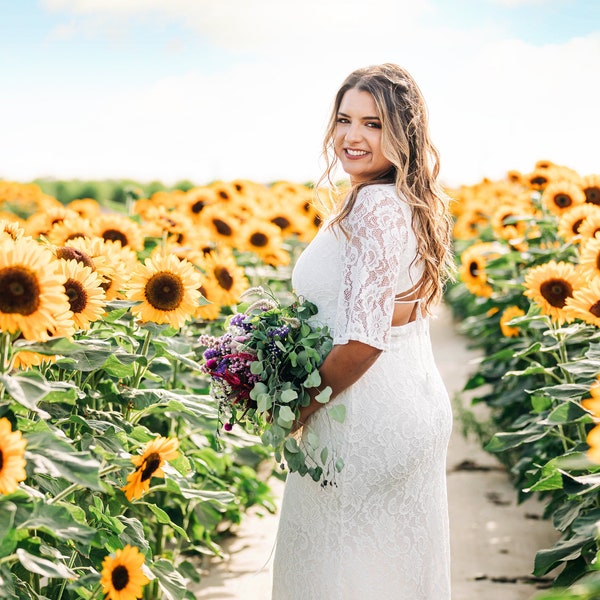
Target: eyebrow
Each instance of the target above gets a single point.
(341, 114)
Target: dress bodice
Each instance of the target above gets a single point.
(354, 275)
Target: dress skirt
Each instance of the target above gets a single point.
(380, 532)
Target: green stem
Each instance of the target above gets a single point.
(95, 592)
(64, 581)
(8, 558)
(5, 345)
(140, 370)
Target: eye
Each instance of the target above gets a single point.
(374, 124)
(342, 120)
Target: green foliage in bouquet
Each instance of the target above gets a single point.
(264, 370)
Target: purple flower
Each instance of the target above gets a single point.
(228, 427)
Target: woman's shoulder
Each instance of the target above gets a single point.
(381, 195)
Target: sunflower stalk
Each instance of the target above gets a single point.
(64, 581)
(141, 369)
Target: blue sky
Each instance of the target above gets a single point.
(206, 89)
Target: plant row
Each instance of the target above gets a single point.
(528, 297)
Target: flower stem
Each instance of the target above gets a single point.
(74, 486)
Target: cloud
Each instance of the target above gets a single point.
(495, 103)
(260, 25)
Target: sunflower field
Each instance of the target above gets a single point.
(528, 296)
(114, 475)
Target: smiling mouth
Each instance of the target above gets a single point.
(355, 153)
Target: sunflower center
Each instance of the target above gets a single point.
(577, 225)
(197, 207)
(563, 200)
(222, 227)
(78, 298)
(164, 291)
(592, 195)
(151, 464)
(259, 239)
(594, 309)
(473, 268)
(69, 253)
(224, 278)
(20, 291)
(1, 460)
(120, 577)
(114, 235)
(223, 194)
(540, 181)
(556, 291)
(281, 222)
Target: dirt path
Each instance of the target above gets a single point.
(493, 539)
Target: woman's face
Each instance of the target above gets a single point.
(357, 138)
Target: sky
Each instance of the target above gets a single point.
(224, 89)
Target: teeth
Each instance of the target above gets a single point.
(356, 152)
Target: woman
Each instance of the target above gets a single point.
(374, 270)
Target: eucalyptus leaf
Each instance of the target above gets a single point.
(337, 413)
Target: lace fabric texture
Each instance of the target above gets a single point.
(382, 530)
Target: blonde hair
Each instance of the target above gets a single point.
(405, 143)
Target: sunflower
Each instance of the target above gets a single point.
(113, 262)
(262, 238)
(84, 290)
(585, 303)
(119, 228)
(537, 179)
(40, 223)
(561, 196)
(210, 291)
(589, 258)
(590, 228)
(510, 313)
(511, 220)
(69, 229)
(222, 226)
(571, 221)
(468, 225)
(87, 208)
(229, 278)
(32, 296)
(472, 268)
(122, 574)
(196, 200)
(149, 464)
(224, 192)
(550, 285)
(593, 440)
(167, 288)
(12, 463)
(590, 185)
(593, 404)
(11, 230)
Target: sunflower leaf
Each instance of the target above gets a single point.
(41, 566)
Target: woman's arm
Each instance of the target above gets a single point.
(343, 366)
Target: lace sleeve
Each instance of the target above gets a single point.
(377, 236)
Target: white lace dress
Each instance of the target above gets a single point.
(381, 533)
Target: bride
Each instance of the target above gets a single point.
(374, 270)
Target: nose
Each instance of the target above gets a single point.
(353, 133)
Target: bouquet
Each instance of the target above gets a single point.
(262, 370)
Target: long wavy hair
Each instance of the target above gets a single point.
(405, 143)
